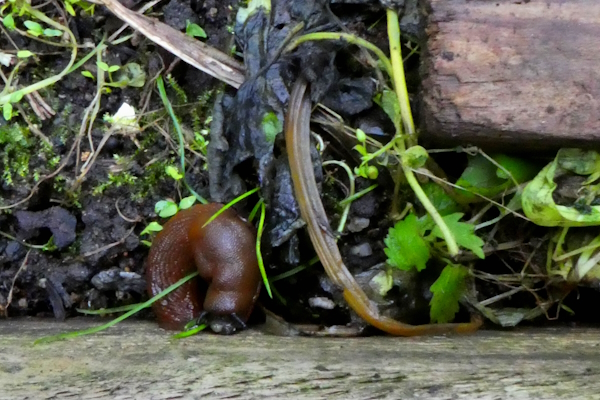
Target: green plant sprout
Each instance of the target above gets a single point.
(48, 246)
(194, 30)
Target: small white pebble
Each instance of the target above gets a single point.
(321, 302)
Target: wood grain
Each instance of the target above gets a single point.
(138, 361)
(505, 73)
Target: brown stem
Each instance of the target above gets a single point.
(297, 135)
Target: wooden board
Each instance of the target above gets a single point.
(137, 360)
(516, 74)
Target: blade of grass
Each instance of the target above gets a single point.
(189, 332)
(148, 303)
(105, 311)
(261, 264)
(160, 84)
(228, 205)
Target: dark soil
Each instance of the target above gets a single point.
(97, 257)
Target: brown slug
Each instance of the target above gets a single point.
(224, 254)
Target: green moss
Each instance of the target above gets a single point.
(124, 178)
(15, 147)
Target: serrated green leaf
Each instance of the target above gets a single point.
(447, 291)
(187, 202)
(405, 248)
(271, 126)
(463, 232)
(152, 227)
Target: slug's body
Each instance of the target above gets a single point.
(224, 254)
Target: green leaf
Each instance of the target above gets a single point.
(537, 199)
(484, 178)
(447, 291)
(440, 199)
(102, 65)
(415, 157)
(578, 161)
(7, 111)
(9, 22)
(16, 96)
(361, 149)
(34, 28)
(173, 172)
(521, 169)
(463, 232)
(69, 8)
(372, 172)
(405, 248)
(165, 208)
(152, 227)
(271, 126)
(146, 243)
(362, 171)
(390, 105)
(361, 136)
(194, 30)
(52, 32)
(88, 74)
(187, 202)
(24, 54)
(480, 178)
(134, 74)
(113, 68)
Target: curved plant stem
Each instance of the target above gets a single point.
(297, 137)
(348, 38)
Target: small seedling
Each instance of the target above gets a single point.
(194, 30)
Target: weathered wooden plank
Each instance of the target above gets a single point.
(509, 72)
(138, 361)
